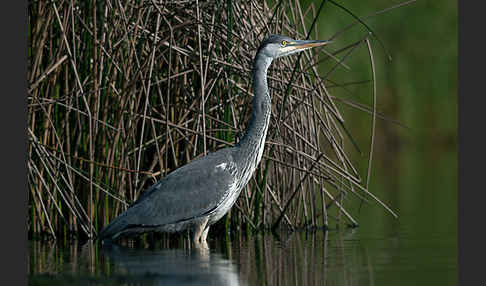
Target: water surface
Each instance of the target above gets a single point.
(344, 257)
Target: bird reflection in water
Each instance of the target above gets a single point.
(170, 266)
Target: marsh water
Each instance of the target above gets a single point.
(344, 257)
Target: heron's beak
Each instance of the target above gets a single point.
(299, 45)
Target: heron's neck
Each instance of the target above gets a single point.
(253, 142)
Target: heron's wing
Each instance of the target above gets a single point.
(190, 191)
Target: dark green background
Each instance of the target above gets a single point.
(415, 168)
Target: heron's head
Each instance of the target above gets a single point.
(275, 46)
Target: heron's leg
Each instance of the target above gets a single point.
(204, 234)
(198, 230)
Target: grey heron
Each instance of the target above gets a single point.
(198, 194)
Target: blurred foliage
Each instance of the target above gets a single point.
(418, 87)
(414, 168)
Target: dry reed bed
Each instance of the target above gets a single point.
(121, 93)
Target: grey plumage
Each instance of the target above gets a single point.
(179, 197)
(198, 194)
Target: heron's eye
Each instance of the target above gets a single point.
(284, 43)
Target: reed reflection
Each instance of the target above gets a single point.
(301, 258)
(298, 258)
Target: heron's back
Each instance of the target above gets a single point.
(192, 191)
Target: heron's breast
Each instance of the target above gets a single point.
(231, 193)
